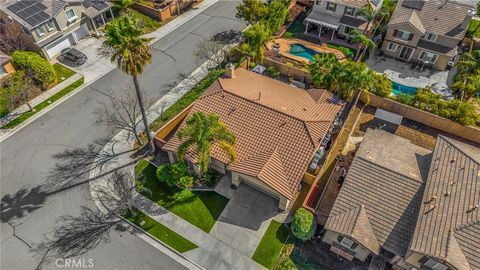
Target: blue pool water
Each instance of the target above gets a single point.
(302, 51)
(402, 89)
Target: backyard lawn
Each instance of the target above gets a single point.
(271, 244)
(162, 233)
(199, 208)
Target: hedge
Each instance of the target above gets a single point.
(34, 65)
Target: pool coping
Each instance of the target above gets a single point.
(286, 43)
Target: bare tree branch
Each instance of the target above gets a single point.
(210, 51)
(10, 38)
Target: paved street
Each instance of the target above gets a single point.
(26, 157)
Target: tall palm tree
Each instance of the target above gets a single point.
(255, 41)
(202, 132)
(365, 42)
(368, 13)
(131, 52)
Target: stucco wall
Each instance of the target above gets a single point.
(322, 7)
(407, 28)
(361, 253)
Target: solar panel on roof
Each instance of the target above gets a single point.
(33, 12)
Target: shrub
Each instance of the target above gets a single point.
(178, 169)
(185, 182)
(303, 224)
(35, 66)
(164, 175)
(210, 178)
(288, 35)
(273, 71)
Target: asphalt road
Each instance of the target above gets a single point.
(26, 157)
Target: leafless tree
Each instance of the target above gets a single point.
(122, 113)
(211, 51)
(17, 90)
(118, 193)
(10, 38)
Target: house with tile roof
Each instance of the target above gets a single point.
(278, 128)
(5, 66)
(416, 208)
(49, 26)
(427, 32)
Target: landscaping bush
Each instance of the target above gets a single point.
(185, 182)
(164, 175)
(178, 169)
(35, 66)
(273, 71)
(210, 178)
(303, 224)
(350, 53)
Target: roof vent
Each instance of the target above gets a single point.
(259, 95)
(447, 193)
(230, 70)
(473, 208)
(452, 160)
(431, 208)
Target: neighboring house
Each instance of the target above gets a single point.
(378, 203)
(50, 26)
(337, 18)
(427, 32)
(278, 129)
(5, 65)
(416, 208)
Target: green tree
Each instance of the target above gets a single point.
(255, 41)
(121, 6)
(251, 11)
(201, 132)
(478, 9)
(325, 69)
(380, 84)
(354, 77)
(303, 224)
(365, 42)
(131, 52)
(368, 13)
(276, 15)
(468, 86)
(35, 67)
(15, 89)
(469, 63)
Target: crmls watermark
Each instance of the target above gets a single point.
(74, 263)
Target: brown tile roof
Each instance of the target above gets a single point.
(278, 127)
(385, 180)
(438, 16)
(448, 226)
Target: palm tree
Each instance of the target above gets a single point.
(469, 62)
(131, 52)
(255, 41)
(324, 69)
(365, 42)
(202, 132)
(368, 13)
(468, 87)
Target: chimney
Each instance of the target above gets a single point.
(467, 19)
(230, 70)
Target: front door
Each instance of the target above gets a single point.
(405, 53)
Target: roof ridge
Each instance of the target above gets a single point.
(460, 227)
(390, 170)
(272, 154)
(454, 253)
(448, 140)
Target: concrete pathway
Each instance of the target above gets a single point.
(39, 99)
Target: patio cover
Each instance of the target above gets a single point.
(326, 20)
(388, 116)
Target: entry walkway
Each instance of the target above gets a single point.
(211, 253)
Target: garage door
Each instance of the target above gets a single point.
(81, 32)
(258, 186)
(58, 46)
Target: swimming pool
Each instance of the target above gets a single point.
(302, 51)
(402, 89)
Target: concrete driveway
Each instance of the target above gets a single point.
(96, 66)
(245, 219)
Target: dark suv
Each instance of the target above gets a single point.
(77, 57)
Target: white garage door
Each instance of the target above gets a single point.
(58, 46)
(81, 32)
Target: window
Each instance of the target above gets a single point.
(346, 242)
(433, 264)
(403, 35)
(50, 26)
(430, 36)
(331, 6)
(71, 16)
(392, 46)
(428, 56)
(40, 30)
(349, 11)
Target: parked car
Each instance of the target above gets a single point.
(77, 57)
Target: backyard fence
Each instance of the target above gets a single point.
(288, 70)
(423, 117)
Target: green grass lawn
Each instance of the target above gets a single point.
(187, 99)
(62, 72)
(162, 233)
(201, 208)
(349, 52)
(148, 24)
(271, 244)
(44, 104)
(473, 28)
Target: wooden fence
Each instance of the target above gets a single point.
(426, 118)
(289, 70)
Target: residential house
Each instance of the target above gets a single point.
(376, 208)
(49, 26)
(416, 208)
(5, 65)
(332, 19)
(427, 32)
(278, 129)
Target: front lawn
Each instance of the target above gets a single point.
(473, 28)
(148, 24)
(162, 233)
(42, 105)
(201, 208)
(62, 72)
(271, 244)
